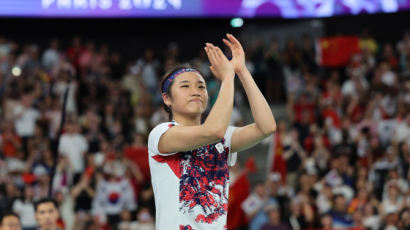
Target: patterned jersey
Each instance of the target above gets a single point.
(190, 188)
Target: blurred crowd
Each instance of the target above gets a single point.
(340, 159)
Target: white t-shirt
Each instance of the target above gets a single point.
(26, 123)
(191, 188)
(26, 212)
(74, 146)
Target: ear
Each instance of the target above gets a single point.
(167, 99)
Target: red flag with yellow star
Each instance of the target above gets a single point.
(336, 51)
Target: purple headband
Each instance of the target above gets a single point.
(171, 78)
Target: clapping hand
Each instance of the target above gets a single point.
(220, 66)
(238, 55)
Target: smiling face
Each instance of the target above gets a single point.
(188, 95)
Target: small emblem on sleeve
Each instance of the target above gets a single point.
(219, 147)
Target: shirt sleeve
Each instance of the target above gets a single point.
(61, 145)
(155, 135)
(232, 156)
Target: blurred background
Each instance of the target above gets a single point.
(335, 72)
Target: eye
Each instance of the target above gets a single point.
(202, 87)
(184, 86)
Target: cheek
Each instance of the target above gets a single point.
(177, 102)
(206, 98)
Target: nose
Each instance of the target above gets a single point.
(196, 92)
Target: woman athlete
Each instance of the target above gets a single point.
(188, 159)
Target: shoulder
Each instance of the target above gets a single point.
(160, 129)
(155, 135)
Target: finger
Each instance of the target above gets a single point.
(233, 40)
(215, 53)
(220, 54)
(210, 53)
(212, 70)
(228, 43)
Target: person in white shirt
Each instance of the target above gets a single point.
(74, 145)
(402, 132)
(25, 208)
(25, 118)
(51, 56)
(189, 159)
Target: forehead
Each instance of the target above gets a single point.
(189, 76)
(9, 219)
(46, 206)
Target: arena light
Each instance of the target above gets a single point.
(16, 71)
(237, 22)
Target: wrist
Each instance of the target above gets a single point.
(242, 71)
(228, 77)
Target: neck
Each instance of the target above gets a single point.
(187, 121)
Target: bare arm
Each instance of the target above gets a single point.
(265, 123)
(184, 138)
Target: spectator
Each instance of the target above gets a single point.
(404, 219)
(82, 195)
(10, 221)
(42, 176)
(113, 194)
(370, 218)
(74, 145)
(326, 222)
(147, 68)
(8, 196)
(10, 142)
(340, 217)
(254, 205)
(47, 214)
(25, 117)
(145, 221)
(274, 219)
(274, 81)
(301, 213)
(25, 208)
(51, 56)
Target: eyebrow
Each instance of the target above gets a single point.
(186, 81)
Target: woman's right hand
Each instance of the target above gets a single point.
(220, 65)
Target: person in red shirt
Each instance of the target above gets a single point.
(10, 142)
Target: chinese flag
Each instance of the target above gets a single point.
(238, 192)
(140, 157)
(279, 163)
(336, 51)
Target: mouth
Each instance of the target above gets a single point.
(195, 100)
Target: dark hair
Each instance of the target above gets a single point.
(45, 200)
(166, 76)
(6, 214)
(337, 195)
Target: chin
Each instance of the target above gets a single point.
(196, 110)
(194, 113)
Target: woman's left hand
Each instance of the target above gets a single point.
(238, 55)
